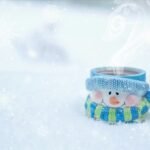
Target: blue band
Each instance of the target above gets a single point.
(123, 72)
(129, 80)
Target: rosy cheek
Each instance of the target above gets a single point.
(97, 96)
(132, 100)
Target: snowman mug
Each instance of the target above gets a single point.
(117, 94)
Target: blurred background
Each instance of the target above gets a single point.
(78, 32)
(47, 48)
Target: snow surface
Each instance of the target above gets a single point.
(41, 101)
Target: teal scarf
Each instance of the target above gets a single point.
(113, 115)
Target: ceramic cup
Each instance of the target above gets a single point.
(117, 94)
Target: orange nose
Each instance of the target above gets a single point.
(114, 101)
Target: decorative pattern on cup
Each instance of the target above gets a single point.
(115, 99)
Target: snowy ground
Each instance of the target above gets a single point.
(42, 93)
(45, 111)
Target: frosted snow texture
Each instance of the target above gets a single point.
(42, 102)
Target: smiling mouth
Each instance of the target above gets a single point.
(114, 105)
(114, 101)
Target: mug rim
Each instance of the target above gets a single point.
(124, 72)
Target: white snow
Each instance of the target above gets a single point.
(41, 101)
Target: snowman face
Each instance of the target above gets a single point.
(113, 98)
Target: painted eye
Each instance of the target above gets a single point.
(117, 93)
(109, 93)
